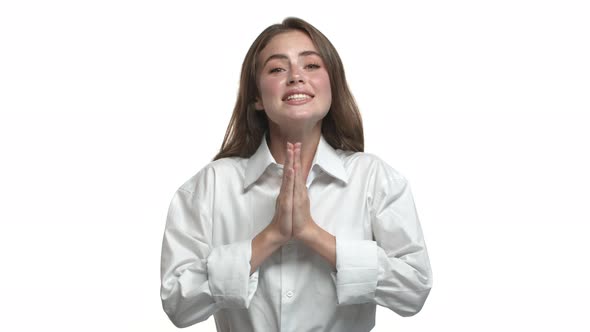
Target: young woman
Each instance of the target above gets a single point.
(292, 227)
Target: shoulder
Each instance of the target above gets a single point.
(371, 165)
(206, 178)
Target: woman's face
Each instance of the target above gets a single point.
(293, 81)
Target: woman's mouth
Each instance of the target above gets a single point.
(297, 98)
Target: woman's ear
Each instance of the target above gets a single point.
(258, 105)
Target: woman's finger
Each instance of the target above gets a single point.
(297, 163)
(287, 184)
(289, 161)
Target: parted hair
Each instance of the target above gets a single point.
(341, 127)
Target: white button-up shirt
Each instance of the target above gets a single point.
(381, 257)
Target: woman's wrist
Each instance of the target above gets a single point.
(273, 236)
(263, 245)
(320, 241)
(308, 234)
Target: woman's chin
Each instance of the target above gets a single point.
(301, 119)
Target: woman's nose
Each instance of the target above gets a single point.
(295, 76)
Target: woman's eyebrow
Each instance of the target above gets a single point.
(285, 57)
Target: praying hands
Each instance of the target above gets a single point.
(292, 219)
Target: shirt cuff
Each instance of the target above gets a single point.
(356, 271)
(230, 281)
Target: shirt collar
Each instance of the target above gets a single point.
(258, 163)
(328, 160)
(325, 157)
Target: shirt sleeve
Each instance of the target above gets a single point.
(197, 278)
(393, 270)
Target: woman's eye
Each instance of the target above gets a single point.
(312, 66)
(276, 70)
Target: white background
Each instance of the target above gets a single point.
(107, 107)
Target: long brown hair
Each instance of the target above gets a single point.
(342, 126)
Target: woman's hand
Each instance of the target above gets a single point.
(292, 214)
(292, 217)
(304, 227)
(283, 218)
(303, 224)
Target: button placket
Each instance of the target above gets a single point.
(288, 275)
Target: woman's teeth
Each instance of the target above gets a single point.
(298, 96)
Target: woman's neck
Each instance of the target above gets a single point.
(308, 137)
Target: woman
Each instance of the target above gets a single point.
(292, 227)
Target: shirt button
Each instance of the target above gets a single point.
(289, 294)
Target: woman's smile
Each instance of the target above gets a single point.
(297, 97)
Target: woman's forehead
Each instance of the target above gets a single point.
(288, 42)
